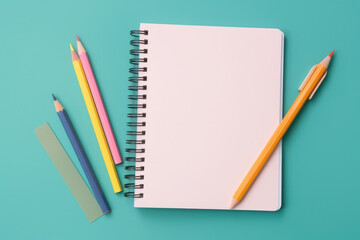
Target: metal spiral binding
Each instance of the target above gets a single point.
(137, 117)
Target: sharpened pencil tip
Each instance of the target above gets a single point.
(233, 203)
(71, 47)
(330, 55)
(54, 97)
(80, 47)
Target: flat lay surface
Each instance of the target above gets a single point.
(320, 151)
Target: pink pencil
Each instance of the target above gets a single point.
(99, 103)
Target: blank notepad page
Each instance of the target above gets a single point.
(214, 98)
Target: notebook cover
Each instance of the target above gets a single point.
(214, 98)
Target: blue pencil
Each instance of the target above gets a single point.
(94, 184)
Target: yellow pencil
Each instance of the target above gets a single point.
(95, 120)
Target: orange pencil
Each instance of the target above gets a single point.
(307, 90)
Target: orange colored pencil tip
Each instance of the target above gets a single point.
(71, 47)
(77, 39)
(330, 55)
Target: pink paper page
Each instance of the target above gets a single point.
(214, 98)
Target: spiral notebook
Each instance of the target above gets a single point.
(205, 102)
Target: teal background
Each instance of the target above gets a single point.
(320, 152)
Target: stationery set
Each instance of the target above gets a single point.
(205, 115)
